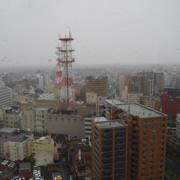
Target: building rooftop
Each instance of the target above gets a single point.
(43, 153)
(21, 137)
(99, 119)
(113, 102)
(46, 96)
(8, 130)
(37, 108)
(25, 165)
(109, 123)
(140, 110)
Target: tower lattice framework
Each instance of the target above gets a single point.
(64, 79)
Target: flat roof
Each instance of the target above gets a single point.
(113, 101)
(25, 165)
(7, 130)
(37, 107)
(140, 110)
(109, 123)
(21, 137)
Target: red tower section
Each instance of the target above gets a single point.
(64, 79)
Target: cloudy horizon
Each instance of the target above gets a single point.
(104, 31)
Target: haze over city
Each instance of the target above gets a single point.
(89, 90)
(105, 31)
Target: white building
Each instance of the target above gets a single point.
(5, 95)
(87, 126)
(18, 147)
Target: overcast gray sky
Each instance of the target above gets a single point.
(105, 31)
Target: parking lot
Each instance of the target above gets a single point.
(7, 170)
(7, 174)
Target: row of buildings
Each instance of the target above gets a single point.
(17, 146)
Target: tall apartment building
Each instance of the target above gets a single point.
(122, 79)
(6, 134)
(5, 95)
(171, 103)
(147, 134)
(148, 83)
(109, 149)
(97, 85)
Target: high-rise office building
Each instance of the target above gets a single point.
(109, 149)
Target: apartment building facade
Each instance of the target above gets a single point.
(147, 136)
(109, 149)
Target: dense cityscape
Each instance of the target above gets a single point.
(89, 90)
(124, 124)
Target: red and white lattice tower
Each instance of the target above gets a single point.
(64, 79)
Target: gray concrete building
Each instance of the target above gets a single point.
(72, 125)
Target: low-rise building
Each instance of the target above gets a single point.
(6, 134)
(72, 125)
(44, 144)
(151, 102)
(18, 146)
(25, 169)
(43, 158)
(134, 97)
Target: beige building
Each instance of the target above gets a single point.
(134, 97)
(11, 118)
(121, 84)
(124, 94)
(151, 102)
(91, 98)
(72, 125)
(18, 147)
(6, 134)
(35, 119)
(44, 144)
